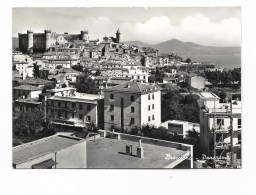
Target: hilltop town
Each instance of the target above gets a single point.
(83, 103)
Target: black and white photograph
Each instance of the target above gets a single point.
(126, 88)
(111, 97)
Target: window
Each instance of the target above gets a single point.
(148, 107)
(144, 77)
(88, 107)
(73, 105)
(52, 113)
(239, 123)
(132, 121)
(149, 119)
(66, 104)
(132, 109)
(153, 96)
(148, 96)
(59, 113)
(66, 115)
(80, 116)
(88, 118)
(153, 106)
(153, 117)
(220, 122)
(112, 117)
(73, 115)
(111, 107)
(80, 106)
(132, 98)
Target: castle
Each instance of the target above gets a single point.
(31, 42)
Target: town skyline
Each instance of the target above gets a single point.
(138, 24)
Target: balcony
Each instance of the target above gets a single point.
(63, 109)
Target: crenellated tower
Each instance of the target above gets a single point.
(48, 35)
(30, 41)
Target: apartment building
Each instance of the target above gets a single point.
(132, 104)
(76, 109)
(216, 115)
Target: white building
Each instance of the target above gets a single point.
(137, 73)
(216, 115)
(178, 127)
(132, 104)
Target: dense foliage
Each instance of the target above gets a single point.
(225, 77)
(86, 84)
(176, 107)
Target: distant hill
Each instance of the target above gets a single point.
(189, 48)
(139, 43)
(15, 42)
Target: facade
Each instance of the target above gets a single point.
(25, 69)
(26, 91)
(56, 151)
(132, 104)
(76, 109)
(177, 127)
(40, 42)
(195, 81)
(216, 115)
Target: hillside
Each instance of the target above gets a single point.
(189, 48)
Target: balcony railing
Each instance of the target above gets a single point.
(63, 108)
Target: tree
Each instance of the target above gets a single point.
(36, 70)
(58, 67)
(26, 124)
(188, 60)
(78, 68)
(223, 96)
(85, 84)
(64, 85)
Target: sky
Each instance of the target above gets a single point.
(211, 26)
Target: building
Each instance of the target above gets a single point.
(132, 104)
(178, 127)
(25, 69)
(26, 91)
(31, 42)
(56, 151)
(195, 81)
(74, 109)
(118, 150)
(216, 116)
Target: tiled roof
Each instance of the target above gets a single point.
(27, 88)
(35, 81)
(133, 87)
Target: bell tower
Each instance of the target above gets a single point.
(118, 34)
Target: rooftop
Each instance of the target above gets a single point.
(35, 81)
(28, 88)
(133, 87)
(35, 149)
(29, 101)
(111, 153)
(78, 97)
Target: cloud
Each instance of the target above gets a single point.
(195, 28)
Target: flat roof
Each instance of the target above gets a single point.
(79, 97)
(111, 153)
(41, 147)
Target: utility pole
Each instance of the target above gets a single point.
(214, 137)
(231, 133)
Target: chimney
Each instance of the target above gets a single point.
(140, 150)
(128, 149)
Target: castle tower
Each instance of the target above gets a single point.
(48, 34)
(118, 36)
(84, 35)
(30, 41)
